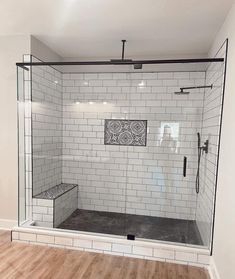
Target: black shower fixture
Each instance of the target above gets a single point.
(182, 92)
(200, 150)
(123, 55)
(124, 61)
(205, 146)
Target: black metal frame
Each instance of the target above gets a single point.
(219, 143)
(18, 156)
(24, 65)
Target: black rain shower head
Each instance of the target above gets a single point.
(182, 92)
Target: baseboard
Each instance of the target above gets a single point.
(7, 224)
(212, 269)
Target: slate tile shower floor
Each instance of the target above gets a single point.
(157, 228)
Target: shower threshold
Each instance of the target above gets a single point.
(157, 228)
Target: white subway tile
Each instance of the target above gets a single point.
(63, 241)
(164, 253)
(144, 251)
(121, 248)
(185, 256)
(27, 236)
(102, 245)
(45, 238)
(83, 243)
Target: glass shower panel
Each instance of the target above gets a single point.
(24, 143)
(46, 128)
(211, 125)
(79, 165)
(21, 145)
(46, 142)
(93, 107)
(161, 201)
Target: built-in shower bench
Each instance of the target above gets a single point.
(53, 206)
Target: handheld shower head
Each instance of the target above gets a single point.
(198, 140)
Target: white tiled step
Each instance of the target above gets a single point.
(114, 245)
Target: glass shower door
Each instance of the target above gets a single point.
(161, 198)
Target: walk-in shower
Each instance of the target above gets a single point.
(108, 149)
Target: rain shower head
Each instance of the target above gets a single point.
(182, 92)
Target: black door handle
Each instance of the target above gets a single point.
(185, 166)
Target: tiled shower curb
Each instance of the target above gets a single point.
(114, 246)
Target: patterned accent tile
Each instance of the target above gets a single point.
(125, 132)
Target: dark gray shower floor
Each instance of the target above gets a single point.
(167, 229)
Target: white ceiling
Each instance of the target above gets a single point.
(94, 28)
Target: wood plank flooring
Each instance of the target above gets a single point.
(19, 261)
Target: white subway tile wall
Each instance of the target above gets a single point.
(210, 131)
(137, 180)
(65, 205)
(43, 212)
(46, 128)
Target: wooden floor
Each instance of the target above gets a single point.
(28, 261)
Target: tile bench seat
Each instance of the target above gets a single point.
(56, 191)
(53, 206)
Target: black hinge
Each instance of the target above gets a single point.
(131, 237)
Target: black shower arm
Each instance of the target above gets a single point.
(196, 87)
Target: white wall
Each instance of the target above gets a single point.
(41, 51)
(11, 50)
(224, 241)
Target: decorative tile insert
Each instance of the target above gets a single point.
(125, 132)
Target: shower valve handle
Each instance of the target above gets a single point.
(205, 146)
